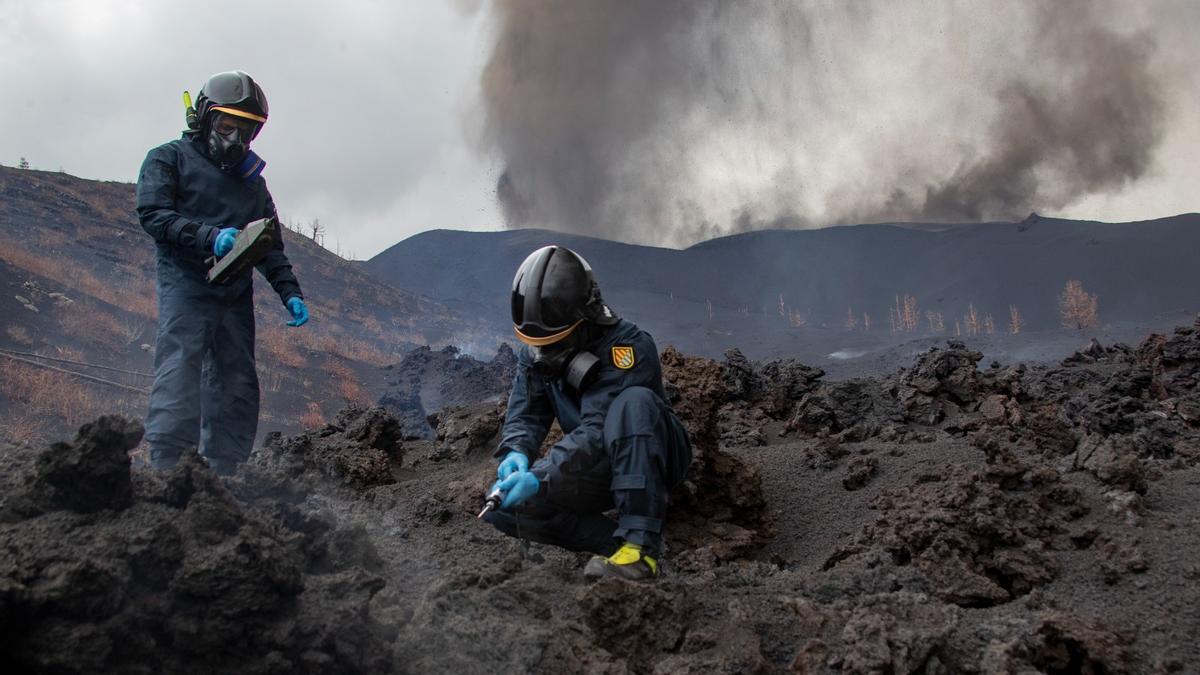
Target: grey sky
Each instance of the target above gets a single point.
(376, 114)
(369, 100)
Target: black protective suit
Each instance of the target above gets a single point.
(205, 383)
(623, 447)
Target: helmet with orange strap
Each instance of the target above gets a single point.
(230, 111)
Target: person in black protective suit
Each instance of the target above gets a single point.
(623, 447)
(193, 196)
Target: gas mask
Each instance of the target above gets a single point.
(566, 359)
(229, 139)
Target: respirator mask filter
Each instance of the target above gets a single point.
(565, 359)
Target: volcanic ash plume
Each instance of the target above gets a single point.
(676, 120)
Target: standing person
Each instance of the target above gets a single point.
(193, 196)
(623, 447)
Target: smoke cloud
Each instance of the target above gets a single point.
(677, 120)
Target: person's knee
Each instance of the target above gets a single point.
(241, 388)
(637, 398)
(635, 411)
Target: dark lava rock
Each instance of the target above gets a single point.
(409, 412)
(358, 449)
(942, 380)
(1120, 558)
(1059, 643)
(89, 474)
(635, 621)
(721, 506)
(860, 472)
(743, 425)
(888, 633)
(980, 539)
(181, 578)
(775, 387)
(427, 380)
(1092, 353)
(788, 380)
(741, 381)
(837, 407)
(468, 431)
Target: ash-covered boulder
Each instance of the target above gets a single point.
(892, 633)
(1115, 461)
(842, 406)
(979, 538)
(741, 380)
(632, 621)
(756, 396)
(183, 577)
(406, 406)
(721, 507)
(785, 382)
(89, 474)
(940, 383)
(92, 472)
(468, 431)
(1131, 406)
(1056, 642)
(1175, 365)
(774, 387)
(358, 449)
(1095, 352)
(428, 380)
(860, 472)
(1000, 410)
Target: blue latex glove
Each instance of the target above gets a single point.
(224, 242)
(298, 310)
(517, 488)
(513, 462)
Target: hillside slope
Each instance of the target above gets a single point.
(789, 292)
(77, 274)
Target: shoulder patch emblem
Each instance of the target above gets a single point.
(622, 356)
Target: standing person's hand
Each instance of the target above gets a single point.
(224, 242)
(299, 312)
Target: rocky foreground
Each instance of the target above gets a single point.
(946, 519)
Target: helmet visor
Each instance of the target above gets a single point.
(234, 128)
(258, 119)
(535, 335)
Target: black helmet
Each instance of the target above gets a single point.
(230, 111)
(234, 93)
(553, 292)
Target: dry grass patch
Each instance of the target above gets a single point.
(312, 417)
(353, 392)
(361, 350)
(50, 393)
(280, 348)
(338, 370)
(22, 428)
(19, 335)
(135, 295)
(270, 378)
(68, 353)
(90, 323)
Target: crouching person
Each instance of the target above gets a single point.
(623, 447)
